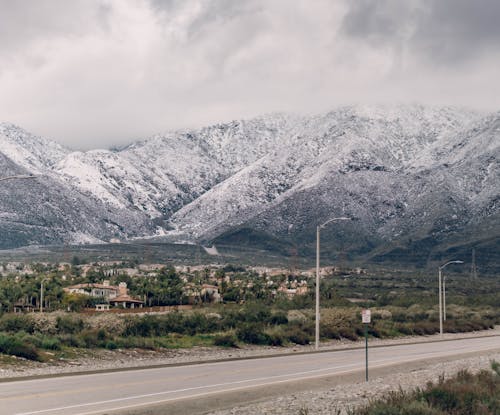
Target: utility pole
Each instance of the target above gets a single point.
(473, 269)
(41, 295)
(442, 300)
(318, 228)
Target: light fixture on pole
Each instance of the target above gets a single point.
(318, 228)
(442, 299)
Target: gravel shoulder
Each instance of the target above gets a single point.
(340, 398)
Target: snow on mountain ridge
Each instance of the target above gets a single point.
(373, 161)
(32, 152)
(342, 141)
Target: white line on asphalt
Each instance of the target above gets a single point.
(381, 363)
(186, 390)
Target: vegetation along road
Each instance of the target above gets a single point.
(193, 388)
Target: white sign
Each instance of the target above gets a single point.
(366, 316)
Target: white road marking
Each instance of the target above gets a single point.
(188, 389)
(312, 374)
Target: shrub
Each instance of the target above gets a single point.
(14, 346)
(298, 336)
(16, 323)
(464, 394)
(50, 343)
(142, 326)
(278, 319)
(253, 334)
(72, 340)
(276, 339)
(139, 342)
(91, 339)
(348, 333)
(111, 345)
(329, 332)
(225, 340)
(69, 324)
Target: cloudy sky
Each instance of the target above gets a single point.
(97, 73)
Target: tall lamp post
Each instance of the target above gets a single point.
(442, 298)
(318, 228)
(41, 294)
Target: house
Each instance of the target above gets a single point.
(116, 295)
(211, 292)
(103, 290)
(298, 289)
(192, 292)
(22, 307)
(126, 301)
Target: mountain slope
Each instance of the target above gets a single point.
(417, 178)
(347, 145)
(46, 210)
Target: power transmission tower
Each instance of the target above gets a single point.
(473, 269)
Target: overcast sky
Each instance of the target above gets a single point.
(97, 73)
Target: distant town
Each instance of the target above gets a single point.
(119, 286)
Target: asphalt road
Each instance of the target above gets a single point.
(104, 393)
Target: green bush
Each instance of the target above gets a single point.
(298, 336)
(135, 342)
(329, 332)
(91, 338)
(154, 326)
(225, 340)
(464, 394)
(69, 324)
(17, 322)
(111, 345)
(72, 340)
(278, 319)
(50, 343)
(348, 333)
(276, 339)
(253, 334)
(13, 345)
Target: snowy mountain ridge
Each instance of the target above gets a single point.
(403, 170)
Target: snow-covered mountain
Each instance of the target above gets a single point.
(408, 173)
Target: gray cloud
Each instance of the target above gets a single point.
(459, 30)
(441, 31)
(96, 73)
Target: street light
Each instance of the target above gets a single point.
(442, 299)
(41, 294)
(318, 228)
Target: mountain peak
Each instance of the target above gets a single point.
(29, 151)
(409, 171)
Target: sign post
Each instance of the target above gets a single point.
(366, 319)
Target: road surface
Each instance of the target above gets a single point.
(118, 392)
